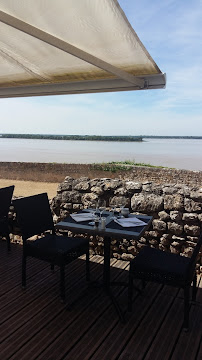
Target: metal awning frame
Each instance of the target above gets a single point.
(77, 87)
(124, 81)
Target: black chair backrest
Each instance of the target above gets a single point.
(33, 215)
(5, 200)
(193, 258)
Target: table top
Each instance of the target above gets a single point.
(112, 228)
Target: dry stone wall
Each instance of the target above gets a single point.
(54, 172)
(176, 211)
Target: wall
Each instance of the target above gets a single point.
(52, 172)
(176, 209)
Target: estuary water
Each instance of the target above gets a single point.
(175, 153)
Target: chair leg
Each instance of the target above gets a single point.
(23, 271)
(186, 308)
(8, 242)
(194, 288)
(62, 283)
(87, 266)
(130, 292)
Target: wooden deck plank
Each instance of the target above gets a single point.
(36, 326)
(34, 292)
(102, 327)
(39, 285)
(188, 342)
(50, 311)
(162, 346)
(199, 354)
(113, 344)
(150, 325)
(37, 304)
(72, 328)
(15, 280)
(58, 317)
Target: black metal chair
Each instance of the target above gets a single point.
(34, 218)
(5, 201)
(165, 268)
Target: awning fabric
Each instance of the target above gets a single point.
(54, 47)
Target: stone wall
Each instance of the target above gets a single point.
(164, 175)
(176, 210)
(53, 172)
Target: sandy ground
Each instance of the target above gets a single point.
(27, 188)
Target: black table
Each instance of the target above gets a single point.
(112, 230)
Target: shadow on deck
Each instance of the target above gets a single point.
(35, 325)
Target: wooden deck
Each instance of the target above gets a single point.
(35, 325)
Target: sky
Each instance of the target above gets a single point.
(171, 31)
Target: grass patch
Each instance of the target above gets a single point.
(126, 165)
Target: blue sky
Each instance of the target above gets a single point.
(172, 33)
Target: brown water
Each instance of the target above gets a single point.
(176, 153)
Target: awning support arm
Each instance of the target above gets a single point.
(68, 48)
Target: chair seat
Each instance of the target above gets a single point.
(55, 248)
(156, 265)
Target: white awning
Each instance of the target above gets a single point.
(55, 47)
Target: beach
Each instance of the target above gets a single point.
(28, 188)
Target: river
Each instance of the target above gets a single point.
(175, 153)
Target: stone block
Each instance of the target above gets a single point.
(196, 196)
(191, 205)
(159, 225)
(173, 202)
(133, 187)
(174, 250)
(176, 215)
(119, 200)
(88, 199)
(127, 257)
(174, 228)
(77, 207)
(165, 241)
(169, 190)
(121, 191)
(188, 251)
(71, 196)
(153, 233)
(65, 186)
(192, 230)
(97, 190)
(190, 218)
(67, 206)
(82, 186)
(147, 203)
(163, 247)
(163, 215)
(132, 250)
(111, 184)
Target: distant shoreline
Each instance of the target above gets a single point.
(125, 138)
(72, 137)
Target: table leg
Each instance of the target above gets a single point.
(106, 273)
(106, 276)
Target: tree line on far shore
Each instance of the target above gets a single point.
(94, 137)
(73, 137)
